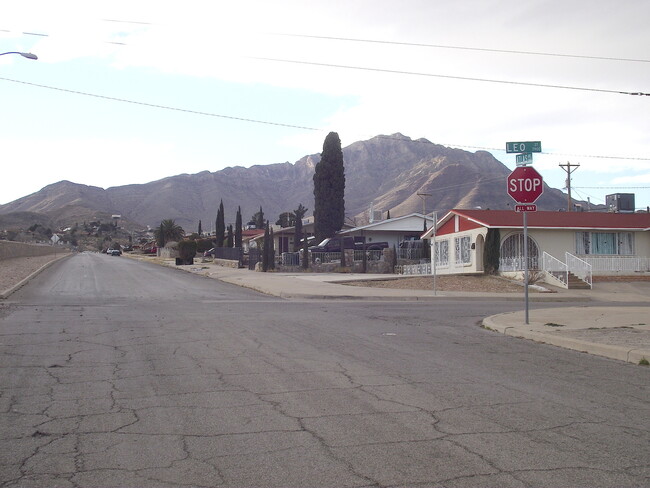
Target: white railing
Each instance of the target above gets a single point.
(582, 269)
(517, 263)
(414, 269)
(325, 257)
(555, 268)
(619, 264)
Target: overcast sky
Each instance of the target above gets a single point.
(134, 91)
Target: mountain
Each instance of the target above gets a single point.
(385, 172)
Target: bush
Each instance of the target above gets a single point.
(187, 249)
(203, 245)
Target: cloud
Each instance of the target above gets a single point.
(637, 179)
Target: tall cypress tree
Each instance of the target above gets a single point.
(297, 235)
(329, 189)
(271, 250)
(238, 228)
(265, 249)
(200, 229)
(230, 238)
(259, 219)
(220, 227)
(492, 251)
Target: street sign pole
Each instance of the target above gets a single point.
(525, 186)
(526, 264)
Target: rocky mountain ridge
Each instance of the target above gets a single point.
(385, 172)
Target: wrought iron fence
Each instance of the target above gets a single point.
(410, 253)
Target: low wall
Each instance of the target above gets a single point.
(10, 249)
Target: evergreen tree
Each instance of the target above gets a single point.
(258, 218)
(271, 250)
(230, 239)
(492, 251)
(388, 215)
(220, 227)
(265, 249)
(286, 219)
(329, 189)
(200, 231)
(238, 228)
(297, 235)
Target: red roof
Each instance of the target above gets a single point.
(555, 220)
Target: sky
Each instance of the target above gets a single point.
(129, 92)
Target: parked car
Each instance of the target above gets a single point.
(208, 253)
(114, 252)
(334, 244)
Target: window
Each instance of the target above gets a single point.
(512, 253)
(615, 243)
(463, 254)
(442, 253)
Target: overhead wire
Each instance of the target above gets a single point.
(376, 70)
(280, 124)
(451, 77)
(466, 48)
(165, 107)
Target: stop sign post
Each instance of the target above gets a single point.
(525, 186)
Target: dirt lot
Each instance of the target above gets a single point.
(477, 283)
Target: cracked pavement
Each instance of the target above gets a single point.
(120, 373)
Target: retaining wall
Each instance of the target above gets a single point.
(10, 249)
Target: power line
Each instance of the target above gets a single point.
(468, 48)
(279, 124)
(613, 187)
(452, 77)
(501, 149)
(165, 107)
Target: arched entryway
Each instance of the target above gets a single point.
(512, 253)
(480, 244)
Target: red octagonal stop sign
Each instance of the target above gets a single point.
(525, 184)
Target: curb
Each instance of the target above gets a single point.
(606, 350)
(6, 293)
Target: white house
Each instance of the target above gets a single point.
(394, 231)
(609, 243)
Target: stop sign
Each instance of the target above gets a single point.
(525, 184)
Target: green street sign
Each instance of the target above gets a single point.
(524, 147)
(524, 158)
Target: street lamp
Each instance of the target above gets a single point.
(24, 55)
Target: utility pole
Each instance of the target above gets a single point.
(567, 167)
(424, 200)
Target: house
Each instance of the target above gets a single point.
(609, 243)
(250, 238)
(394, 231)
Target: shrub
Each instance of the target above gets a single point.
(187, 249)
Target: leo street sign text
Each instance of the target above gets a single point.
(524, 147)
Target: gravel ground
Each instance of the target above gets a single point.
(475, 283)
(13, 271)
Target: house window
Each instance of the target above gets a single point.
(463, 255)
(512, 253)
(616, 243)
(442, 253)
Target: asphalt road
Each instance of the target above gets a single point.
(120, 373)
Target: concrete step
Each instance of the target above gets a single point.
(576, 283)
